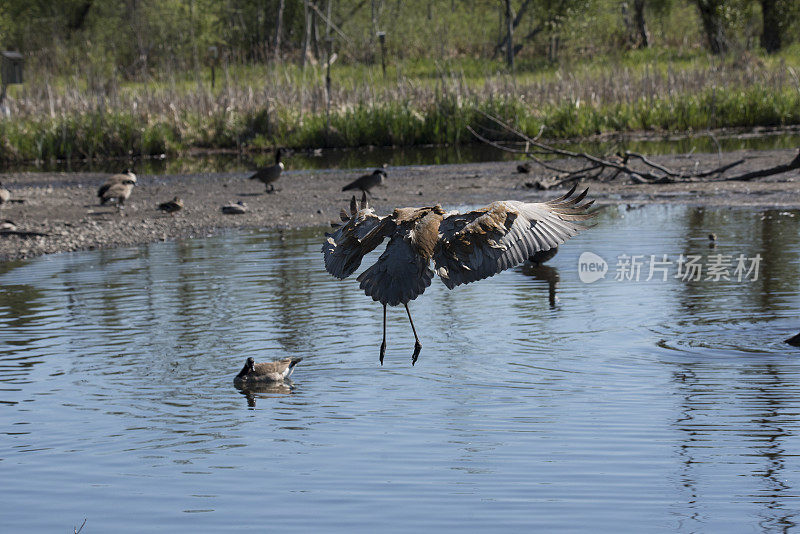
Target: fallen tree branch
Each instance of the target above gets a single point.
(647, 172)
(778, 169)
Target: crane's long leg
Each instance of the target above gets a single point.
(383, 343)
(417, 344)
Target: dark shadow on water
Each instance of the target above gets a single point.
(546, 274)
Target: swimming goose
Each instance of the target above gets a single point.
(171, 206)
(464, 247)
(115, 179)
(367, 181)
(255, 373)
(268, 175)
(119, 192)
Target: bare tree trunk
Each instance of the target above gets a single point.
(641, 24)
(510, 43)
(307, 32)
(713, 25)
(315, 36)
(279, 29)
(771, 32)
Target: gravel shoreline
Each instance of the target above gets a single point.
(64, 206)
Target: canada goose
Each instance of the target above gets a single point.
(115, 179)
(367, 181)
(464, 247)
(119, 192)
(234, 209)
(5, 194)
(254, 373)
(171, 206)
(268, 175)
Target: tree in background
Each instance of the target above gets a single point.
(776, 16)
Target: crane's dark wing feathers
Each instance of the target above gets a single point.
(345, 248)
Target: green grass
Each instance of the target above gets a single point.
(443, 121)
(419, 102)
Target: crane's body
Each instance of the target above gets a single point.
(463, 247)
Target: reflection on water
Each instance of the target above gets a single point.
(546, 274)
(539, 403)
(368, 157)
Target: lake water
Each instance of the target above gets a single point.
(539, 402)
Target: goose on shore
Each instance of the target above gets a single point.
(119, 192)
(115, 179)
(268, 175)
(366, 182)
(464, 247)
(259, 373)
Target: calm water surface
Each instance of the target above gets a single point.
(539, 402)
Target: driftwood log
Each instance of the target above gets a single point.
(608, 168)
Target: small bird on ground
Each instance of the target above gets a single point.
(464, 247)
(171, 206)
(5, 194)
(119, 192)
(524, 168)
(237, 208)
(268, 175)
(115, 179)
(367, 181)
(259, 373)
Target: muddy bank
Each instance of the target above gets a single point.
(64, 206)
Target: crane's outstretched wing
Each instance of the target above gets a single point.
(399, 275)
(344, 248)
(476, 245)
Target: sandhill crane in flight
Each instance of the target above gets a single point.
(464, 247)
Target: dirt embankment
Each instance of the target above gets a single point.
(65, 207)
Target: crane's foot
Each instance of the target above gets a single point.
(383, 351)
(417, 348)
